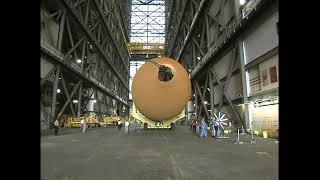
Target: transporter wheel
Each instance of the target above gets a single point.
(145, 126)
(172, 126)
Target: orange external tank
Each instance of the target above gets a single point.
(156, 98)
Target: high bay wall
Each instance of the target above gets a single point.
(84, 58)
(231, 52)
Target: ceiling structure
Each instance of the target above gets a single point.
(147, 29)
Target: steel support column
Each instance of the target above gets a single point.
(54, 94)
(61, 30)
(79, 100)
(211, 94)
(196, 99)
(228, 98)
(245, 86)
(202, 101)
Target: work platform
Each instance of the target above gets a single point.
(104, 153)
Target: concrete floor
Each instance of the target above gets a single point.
(105, 154)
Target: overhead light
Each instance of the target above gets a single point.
(205, 102)
(59, 77)
(198, 57)
(242, 2)
(198, 35)
(58, 90)
(208, 89)
(90, 46)
(159, 55)
(94, 101)
(79, 61)
(75, 101)
(85, 56)
(209, 110)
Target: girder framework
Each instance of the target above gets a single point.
(198, 33)
(90, 44)
(147, 29)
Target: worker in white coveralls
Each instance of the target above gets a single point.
(83, 125)
(126, 127)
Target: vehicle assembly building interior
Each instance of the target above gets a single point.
(159, 89)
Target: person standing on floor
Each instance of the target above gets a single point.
(119, 124)
(126, 127)
(193, 119)
(56, 127)
(83, 125)
(212, 125)
(197, 126)
(194, 125)
(203, 125)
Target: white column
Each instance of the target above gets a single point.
(190, 109)
(90, 105)
(244, 75)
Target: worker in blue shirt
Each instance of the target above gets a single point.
(203, 126)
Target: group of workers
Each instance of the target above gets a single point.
(200, 127)
(134, 126)
(57, 126)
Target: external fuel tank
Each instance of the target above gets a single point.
(156, 98)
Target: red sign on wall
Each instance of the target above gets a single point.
(273, 74)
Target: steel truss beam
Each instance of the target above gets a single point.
(192, 27)
(228, 98)
(146, 31)
(68, 100)
(177, 28)
(225, 87)
(111, 35)
(202, 97)
(67, 93)
(92, 38)
(58, 60)
(229, 35)
(59, 76)
(43, 80)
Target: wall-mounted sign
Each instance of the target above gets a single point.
(273, 74)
